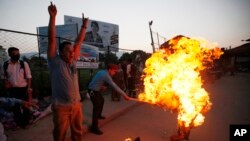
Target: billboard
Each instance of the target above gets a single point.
(68, 32)
(89, 55)
(99, 34)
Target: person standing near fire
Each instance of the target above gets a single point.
(66, 106)
(17, 77)
(131, 74)
(94, 89)
(119, 80)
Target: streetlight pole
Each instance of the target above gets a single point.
(152, 40)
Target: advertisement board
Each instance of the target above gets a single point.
(63, 31)
(89, 55)
(99, 34)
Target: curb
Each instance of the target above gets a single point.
(112, 117)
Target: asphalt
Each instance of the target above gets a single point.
(42, 129)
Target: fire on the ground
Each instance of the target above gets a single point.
(172, 78)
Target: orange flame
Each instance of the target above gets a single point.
(173, 81)
(128, 139)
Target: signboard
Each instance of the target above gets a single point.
(89, 55)
(99, 34)
(64, 31)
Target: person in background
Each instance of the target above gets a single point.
(125, 76)
(119, 80)
(66, 106)
(94, 89)
(12, 102)
(16, 76)
(131, 74)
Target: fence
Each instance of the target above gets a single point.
(29, 50)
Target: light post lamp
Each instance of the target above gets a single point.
(152, 40)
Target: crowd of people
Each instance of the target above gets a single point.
(66, 106)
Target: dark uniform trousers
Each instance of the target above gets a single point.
(131, 87)
(98, 102)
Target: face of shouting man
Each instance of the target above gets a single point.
(67, 52)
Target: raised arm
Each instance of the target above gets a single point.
(80, 37)
(51, 52)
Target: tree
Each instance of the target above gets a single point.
(108, 58)
(124, 57)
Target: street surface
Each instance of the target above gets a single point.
(230, 96)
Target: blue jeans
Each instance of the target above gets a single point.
(65, 116)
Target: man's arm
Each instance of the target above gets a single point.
(11, 102)
(28, 80)
(51, 52)
(28, 74)
(80, 37)
(109, 80)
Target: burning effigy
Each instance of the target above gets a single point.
(173, 81)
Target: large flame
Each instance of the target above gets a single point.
(173, 81)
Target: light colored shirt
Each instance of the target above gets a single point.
(128, 70)
(64, 81)
(98, 81)
(16, 74)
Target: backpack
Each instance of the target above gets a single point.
(6, 64)
(133, 70)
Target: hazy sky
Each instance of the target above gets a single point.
(226, 22)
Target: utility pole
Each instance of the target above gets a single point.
(158, 40)
(152, 40)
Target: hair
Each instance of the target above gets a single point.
(63, 44)
(12, 49)
(95, 23)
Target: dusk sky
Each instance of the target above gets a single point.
(226, 22)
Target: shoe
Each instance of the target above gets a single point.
(102, 117)
(96, 131)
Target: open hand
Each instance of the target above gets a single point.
(126, 97)
(29, 105)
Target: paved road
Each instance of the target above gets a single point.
(230, 96)
(42, 130)
(231, 105)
